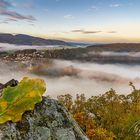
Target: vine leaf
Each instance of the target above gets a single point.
(16, 100)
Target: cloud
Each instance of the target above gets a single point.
(7, 20)
(14, 15)
(32, 24)
(4, 4)
(95, 8)
(4, 22)
(27, 5)
(10, 19)
(69, 16)
(92, 32)
(23, 5)
(115, 5)
(112, 32)
(86, 32)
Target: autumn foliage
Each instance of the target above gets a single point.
(14, 101)
(110, 116)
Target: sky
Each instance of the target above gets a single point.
(73, 20)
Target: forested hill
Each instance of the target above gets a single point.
(109, 53)
(119, 47)
(21, 39)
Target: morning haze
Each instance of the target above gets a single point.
(87, 52)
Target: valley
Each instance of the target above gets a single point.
(96, 68)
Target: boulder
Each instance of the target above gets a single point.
(11, 83)
(48, 121)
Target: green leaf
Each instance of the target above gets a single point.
(16, 100)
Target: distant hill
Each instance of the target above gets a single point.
(21, 39)
(80, 44)
(123, 53)
(117, 47)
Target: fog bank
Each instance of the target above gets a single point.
(71, 77)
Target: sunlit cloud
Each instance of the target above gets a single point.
(112, 32)
(85, 31)
(91, 31)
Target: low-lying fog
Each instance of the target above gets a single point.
(10, 47)
(73, 77)
(115, 54)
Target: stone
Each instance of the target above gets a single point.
(11, 83)
(48, 121)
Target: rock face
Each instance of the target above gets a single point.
(48, 121)
(11, 83)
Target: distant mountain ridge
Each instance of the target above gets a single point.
(22, 39)
(115, 47)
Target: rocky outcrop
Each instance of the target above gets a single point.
(48, 121)
(11, 83)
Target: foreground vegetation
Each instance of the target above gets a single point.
(107, 117)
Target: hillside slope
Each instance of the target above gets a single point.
(21, 39)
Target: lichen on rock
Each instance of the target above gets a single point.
(48, 121)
